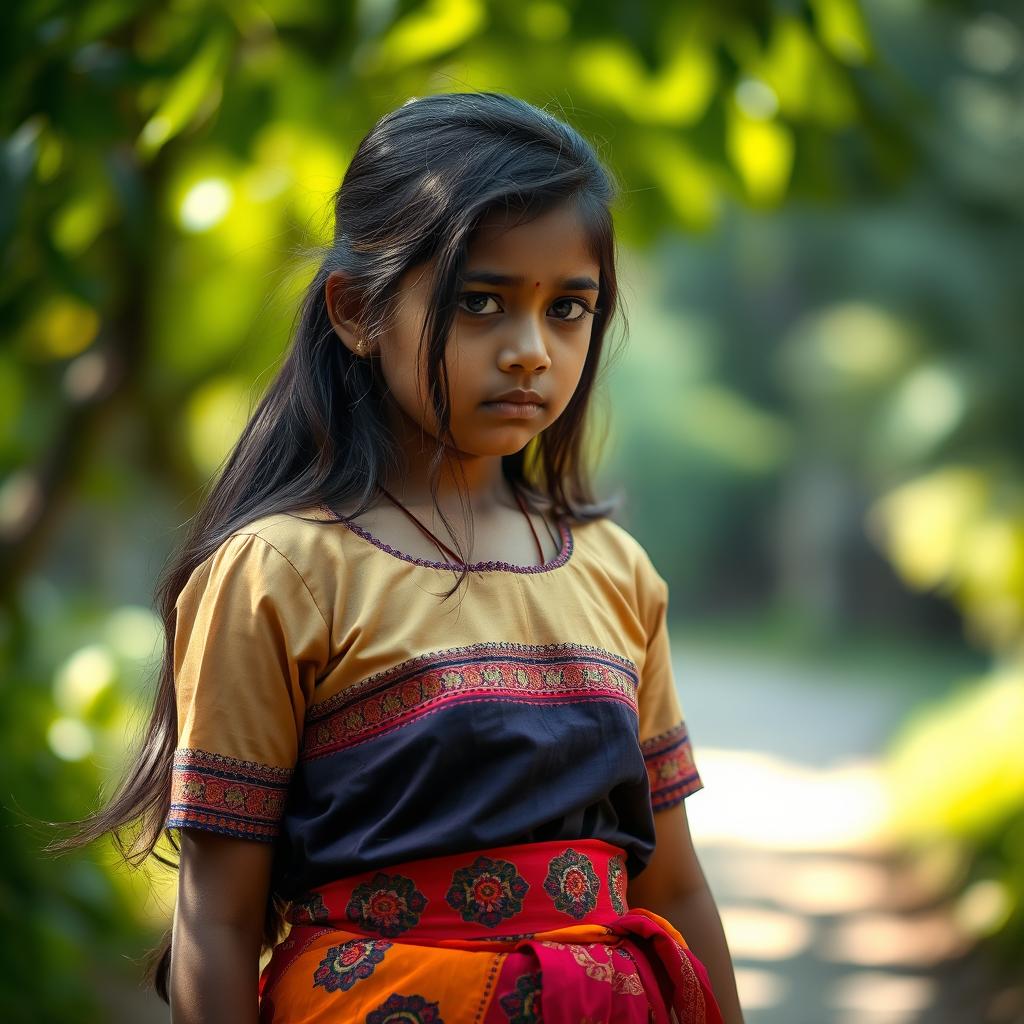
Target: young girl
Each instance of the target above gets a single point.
(417, 712)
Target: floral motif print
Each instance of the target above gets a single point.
(589, 957)
(522, 1006)
(389, 904)
(617, 884)
(572, 884)
(488, 891)
(311, 910)
(405, 1010)
(346, 964)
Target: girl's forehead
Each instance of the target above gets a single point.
(554, 243)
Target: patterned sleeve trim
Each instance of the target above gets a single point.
(670, 767)
(223, 794)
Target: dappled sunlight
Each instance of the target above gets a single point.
(196, 90)
(762, 151)
(205, 204)
(880, 997)
(677, 93)
(984, 906)
(69, 738)
(215, 416)
(61, 328)
(880, 939)
(923, 523)
(812, 885)
(723, 424)
(847, 346)
(756, 99)
(83, 677)
(800, 72)
(134, 632)
(429, 31)
(760, 989)
(756, 933)
(926, 407)
(818, 909)
(765, 801)
(986, 717)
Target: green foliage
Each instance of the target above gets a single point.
(70, 708)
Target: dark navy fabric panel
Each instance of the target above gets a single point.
(471, 775)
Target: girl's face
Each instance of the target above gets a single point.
(524, 320)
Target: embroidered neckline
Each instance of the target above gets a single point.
(564, 529)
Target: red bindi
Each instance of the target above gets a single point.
(536, 284)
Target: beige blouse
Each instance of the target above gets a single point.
(330, 702)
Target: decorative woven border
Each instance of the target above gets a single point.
(227, 795)
(550, 673)
(670, 767)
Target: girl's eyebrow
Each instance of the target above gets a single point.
(579, 284)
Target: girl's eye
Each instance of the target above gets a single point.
(585, 310)
(478, 297)
(476, 302)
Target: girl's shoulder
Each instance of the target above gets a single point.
(274, 548)
(617, 551)
(300, 533)
(609, 534)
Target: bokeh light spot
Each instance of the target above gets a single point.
(205, 204)
(83, 677)
(69, 739)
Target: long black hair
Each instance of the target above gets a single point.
(419, 184)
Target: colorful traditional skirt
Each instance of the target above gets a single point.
(507, 935)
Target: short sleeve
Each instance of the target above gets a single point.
(664, 737)
(249, 643)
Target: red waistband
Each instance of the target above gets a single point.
(503, 891)
(515, 894)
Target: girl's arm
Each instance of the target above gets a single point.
(218, 928)
(673, 886)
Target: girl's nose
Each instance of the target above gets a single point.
(526, 349)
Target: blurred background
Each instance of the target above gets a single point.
(817, 418)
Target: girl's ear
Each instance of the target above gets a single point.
(343, 309)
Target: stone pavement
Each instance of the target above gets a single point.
(825, 924)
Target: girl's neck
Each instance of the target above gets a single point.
(482, 485)
(476, 478)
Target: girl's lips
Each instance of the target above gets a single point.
(514, 410)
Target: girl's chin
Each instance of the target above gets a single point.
(494, 443)
(485, 433)
(489, 453)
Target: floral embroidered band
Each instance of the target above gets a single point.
(554, 673)
(670, 767)
(224, 794)
(496, 893)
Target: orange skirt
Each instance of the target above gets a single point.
(508, 935)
